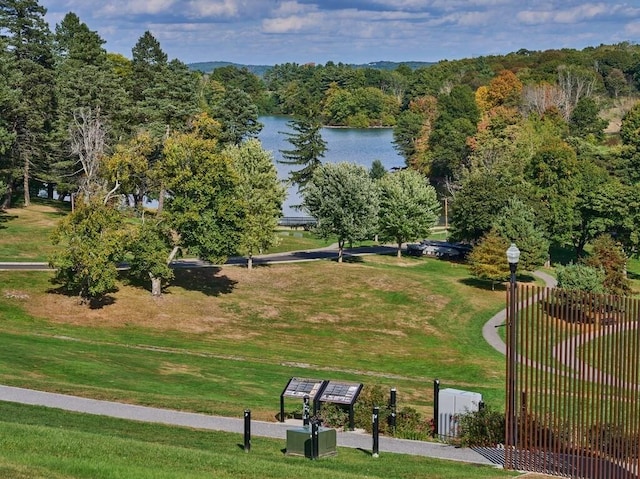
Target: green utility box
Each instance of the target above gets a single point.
(299, 442)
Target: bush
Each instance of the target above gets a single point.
(409, 422)
(334, 415)
(363, 409)
(411, 425)
(481, 428)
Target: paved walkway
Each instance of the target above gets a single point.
(490, 329)
(275, 430)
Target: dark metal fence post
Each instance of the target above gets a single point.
(436, 405)
(393, 406)
(314, 439)
(247, 430)
(376, 433)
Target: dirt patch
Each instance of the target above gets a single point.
(16, 294)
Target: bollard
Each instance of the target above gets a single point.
(436, 406)
(376, 431)
(314, 439)
(247, 430)
(305, 410)
(393, 407)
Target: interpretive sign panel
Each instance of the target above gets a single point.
(341, 393)
(298, 388)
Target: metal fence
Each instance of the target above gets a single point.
(573, 384)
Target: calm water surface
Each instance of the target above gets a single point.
(356, 145)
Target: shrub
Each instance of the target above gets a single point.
(334, 415)
(363, 409)
(481, 428)
(411, 425)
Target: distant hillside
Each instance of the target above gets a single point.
(208, 67)
(260, 70)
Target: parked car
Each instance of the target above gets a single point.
(440, 249)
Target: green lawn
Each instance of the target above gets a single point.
(25, 232)
(224, 339)
(236, 344)
(46, 443)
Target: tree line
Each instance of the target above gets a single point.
(499, 136)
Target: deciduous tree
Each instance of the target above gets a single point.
(203, 206)
(262, 195)
(91, 242)
(608, 256)
(344, 200)
(409, 207)
(517, 224)
(150, 246)
(487, 260)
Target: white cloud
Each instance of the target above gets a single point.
(136, 7)
(291, 7)
(293, 23)
(632, 29)
(577, 14)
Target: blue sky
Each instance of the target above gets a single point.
(359, 31)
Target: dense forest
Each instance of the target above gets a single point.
(553, 132)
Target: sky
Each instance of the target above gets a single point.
(268, 32)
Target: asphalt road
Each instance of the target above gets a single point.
(330, 252)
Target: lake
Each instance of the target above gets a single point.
(355, 145)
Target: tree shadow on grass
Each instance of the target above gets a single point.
(101, 302)
(5, 218)
(204, 280)
(92, 303)
(484, 284)
(497, 286)
(633, 275)
(347, 258)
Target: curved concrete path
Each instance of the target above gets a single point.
(490, 329)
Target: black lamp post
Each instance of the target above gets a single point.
(513, 256)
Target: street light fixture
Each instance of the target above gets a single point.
(513, 256)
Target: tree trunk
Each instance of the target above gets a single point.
(340, 250)
(250, 262)
(6, 198)
(399, 254)
(50, 188)
(27, 195)
(156, 286)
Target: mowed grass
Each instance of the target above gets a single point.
(25, 233)
(290, 239)
(222, 339)
(45, 443)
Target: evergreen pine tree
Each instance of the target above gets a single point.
(308, 148)
(28, 42)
